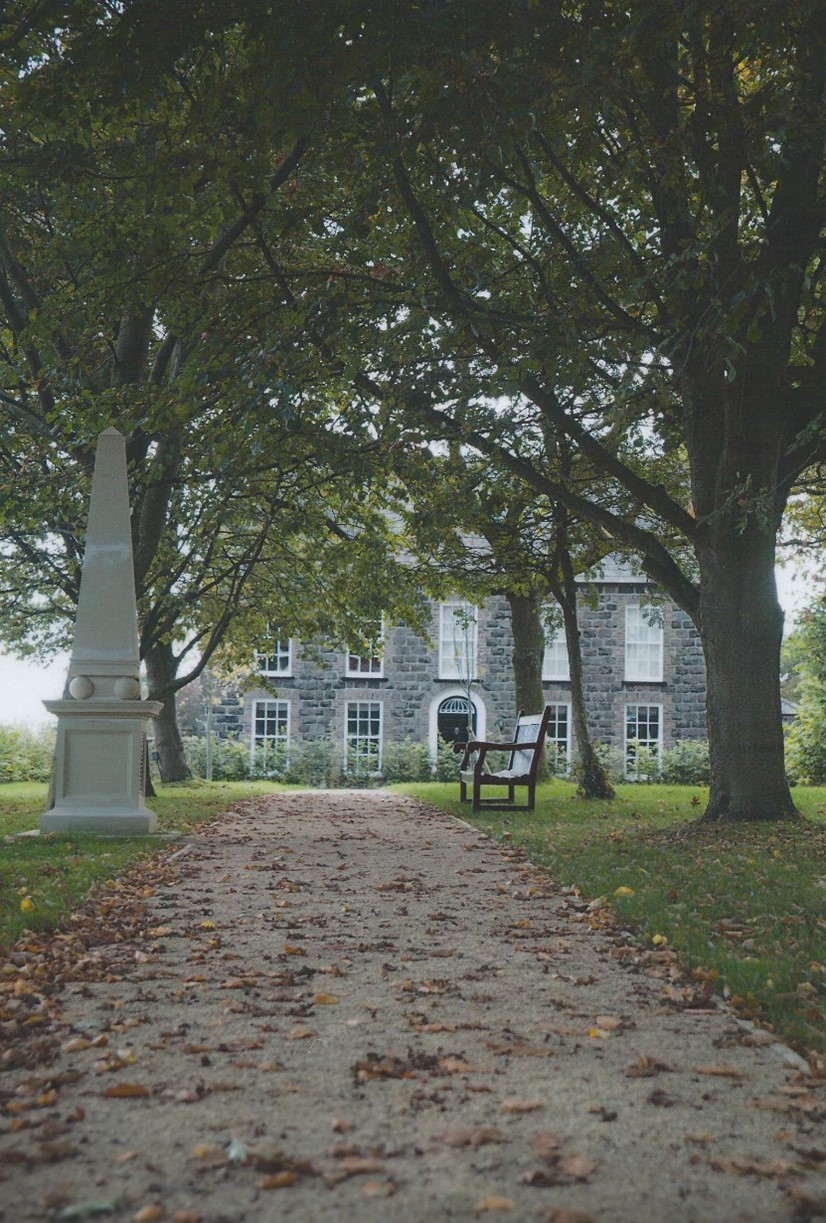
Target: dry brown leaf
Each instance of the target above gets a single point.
(378, 1189)
(647, 1067)
(210, 1153)
(127, 1091)
(751, 1167)
(325, 1000)
(187, 1216)
(609, 1023)
(563, 1214)
(300, 1034)
(518, 1105)
(577, 1167)
(278, 1180)
(722, 1070)
(152, 1213)
(494, 1203)
(546, 1144)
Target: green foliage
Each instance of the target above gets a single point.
(806, 736)
(406, 760)
(26, 755)
(686, 764)
(230, 759)
(315, 762)
(744, 910)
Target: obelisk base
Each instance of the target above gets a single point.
(99, 763)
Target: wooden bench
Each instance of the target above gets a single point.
(525, 754)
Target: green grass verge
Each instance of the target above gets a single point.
(55, 873)
(745, 904)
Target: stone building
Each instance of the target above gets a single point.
(643, 670)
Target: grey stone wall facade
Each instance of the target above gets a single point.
(410, 690)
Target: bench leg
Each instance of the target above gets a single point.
(477, 795)
(462, 791)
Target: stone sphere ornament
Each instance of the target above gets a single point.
(81, 687)
(127, 689)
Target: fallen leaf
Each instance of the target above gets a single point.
(126, 1091)
(562, 1214)
(300, 1034)
(378, 1189)
(325, 1000)
(647, 1066)
(278, 1180)
(86, 1210)
(494, 1203)
(610, 1023)
(723, 1070)
(546, 1144)
(152, 1213)
(577, 1167)
(751, 1167)
(518, 1105)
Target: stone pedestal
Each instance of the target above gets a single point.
(99, 765)
(101, 728)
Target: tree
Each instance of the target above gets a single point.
(137, 211)
(477, 531)
(615, 221)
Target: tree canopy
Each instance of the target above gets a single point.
(495, 224)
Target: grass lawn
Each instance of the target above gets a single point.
(744, 906)
(51, 876)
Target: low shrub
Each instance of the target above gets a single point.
(26, 755)
(686, 764)
(230, 758)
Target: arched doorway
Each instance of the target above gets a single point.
(452, 719)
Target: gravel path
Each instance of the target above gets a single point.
(348, 1006)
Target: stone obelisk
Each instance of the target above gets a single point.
(101, 727)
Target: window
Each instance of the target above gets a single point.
(559, 739)
(278, 660)
(363, 745)
(643, 644)
(643, 740)
(555, 661)
(372, 663)
(457, 640)
(270, 735)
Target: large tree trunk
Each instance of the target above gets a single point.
(741, 626)
(161, 669)
(528, 651)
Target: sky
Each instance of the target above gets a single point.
(25, 685)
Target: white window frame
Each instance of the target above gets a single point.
(551, 738)
(646, 742)
(458, 656)
(367, 666)
(643, 647)
(282, 658)
(555, 664)
(258, 741)
(378, 738)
